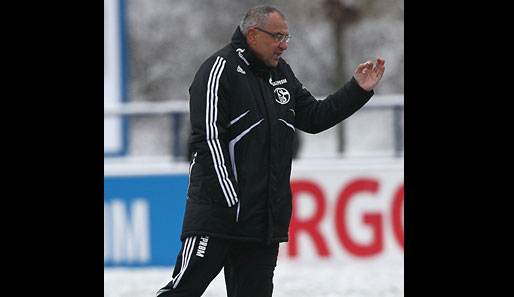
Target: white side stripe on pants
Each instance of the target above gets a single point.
(211, 115)
(189, 245)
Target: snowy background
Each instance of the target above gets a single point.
(321, 278)
(169, 39)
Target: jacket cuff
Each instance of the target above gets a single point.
(357, 90)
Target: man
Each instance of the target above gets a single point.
(245, 106)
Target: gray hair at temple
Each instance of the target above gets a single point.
(257, 17)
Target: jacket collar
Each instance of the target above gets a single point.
(246, 54)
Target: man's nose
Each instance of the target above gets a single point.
(283, 45)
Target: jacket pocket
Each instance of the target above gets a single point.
(288, 119)
(191, 169)
(221, 192)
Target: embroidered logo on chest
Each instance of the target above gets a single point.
(282, 95)
(278, 82)
(240, 70)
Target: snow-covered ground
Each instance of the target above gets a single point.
(308, 278)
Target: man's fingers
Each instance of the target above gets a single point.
(365, 65)
(376, 70)
(380, 65)
(380, 62)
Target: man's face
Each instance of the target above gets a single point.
(265, 46)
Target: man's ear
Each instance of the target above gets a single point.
(251, 37)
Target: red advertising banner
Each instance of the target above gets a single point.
(346, 211)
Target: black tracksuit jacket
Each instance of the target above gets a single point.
(243, 117)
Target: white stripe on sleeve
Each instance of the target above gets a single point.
(211, 115)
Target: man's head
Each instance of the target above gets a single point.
(266, 32)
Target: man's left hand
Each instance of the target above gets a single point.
(367, 75)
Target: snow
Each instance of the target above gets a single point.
(308, 278)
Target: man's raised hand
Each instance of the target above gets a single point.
(367, 75)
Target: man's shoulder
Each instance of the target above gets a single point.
(219, 59)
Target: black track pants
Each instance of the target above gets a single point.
(248, 267)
